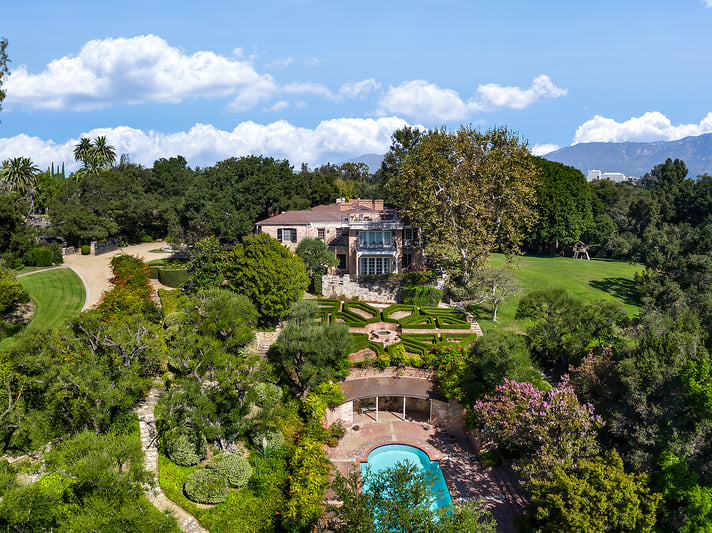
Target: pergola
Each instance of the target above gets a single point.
(382, 387)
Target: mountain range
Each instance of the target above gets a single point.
(630, 158)
(637, 158)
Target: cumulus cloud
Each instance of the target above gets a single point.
(651, 126)
(543, 149)
(492, 96)
(428, 102)
(425, 101)
(708, 3)
(204, 144)
(137, 70)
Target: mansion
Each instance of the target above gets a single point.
(366, 236)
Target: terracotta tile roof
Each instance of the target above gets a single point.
(330, 214)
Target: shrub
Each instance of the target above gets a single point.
(186, 446)
(40, 257)
(146, 238)
(56, 250)
(86, 249)
(172, 277)
(234, 467)
(491, 458)
(267, 395)
(332, 442)
(337, 430)
(206, 486)
(267, 438)
(421, 295)
(392, 309)
(383, 361)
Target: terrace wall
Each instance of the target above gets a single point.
(343, 287)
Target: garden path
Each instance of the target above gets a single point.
(149, 442)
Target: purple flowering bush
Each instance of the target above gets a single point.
(541, 429)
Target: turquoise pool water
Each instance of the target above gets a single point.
(389, 454)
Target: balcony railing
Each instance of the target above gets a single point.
(375, 246)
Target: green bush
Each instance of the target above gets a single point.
(234, 467)
(421, 295)
(452, 323)
(86, 249)
(186, 446)
(267, 438)
(39, 257)
(383, 361)
(146, 238)
(206, 486)
(170, 301)
(172, 277)
(491, 458)
(153, 271)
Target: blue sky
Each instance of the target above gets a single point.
(316, 81)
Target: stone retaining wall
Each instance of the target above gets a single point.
(343, 287)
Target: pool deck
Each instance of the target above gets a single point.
(497, 487)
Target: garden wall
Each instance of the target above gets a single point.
(343, 287)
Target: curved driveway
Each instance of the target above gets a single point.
(95, 271)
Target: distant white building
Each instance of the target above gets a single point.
(594, 175)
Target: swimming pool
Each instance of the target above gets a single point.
(388, 455)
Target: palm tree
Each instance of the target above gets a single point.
(19, 173)
(105, 152)
(82, 150)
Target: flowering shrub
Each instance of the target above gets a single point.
(544, 429)
(132, 289)
(450, 364)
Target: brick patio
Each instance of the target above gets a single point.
(467, 479)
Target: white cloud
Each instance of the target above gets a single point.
(204, 144)
(492, 96)
(425, 101)
(309, 88)
(652, 126)
(359, 89)
(431, 103)
(543, 149)
(279, 106)
(136, 70)
(708, 3)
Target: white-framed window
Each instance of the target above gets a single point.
(287, 234)
(375, 265)
(375, 239)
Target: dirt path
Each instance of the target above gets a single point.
(95, 271)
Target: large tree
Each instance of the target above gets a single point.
(472, 192)
(267, 273)
(563, 206)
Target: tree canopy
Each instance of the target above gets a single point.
(472, 192)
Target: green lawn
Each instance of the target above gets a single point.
(58, 294)
(598, 279)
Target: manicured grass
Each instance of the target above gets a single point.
(58, 294)
(597, 279)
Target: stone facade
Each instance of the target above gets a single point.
(449, 415)
(343, 287)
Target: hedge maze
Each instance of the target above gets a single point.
(415, 346)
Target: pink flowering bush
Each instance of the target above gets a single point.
(542, 429)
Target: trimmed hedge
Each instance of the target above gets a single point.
(452, 323)
(172, 278)
(352, 319)
(463, 339)
(391, 309)
(186, 446)
(375, 313)
(39, 257)
(417, 322)
(430, 338)
(206, 486)
(169, 301)
(234, 467)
